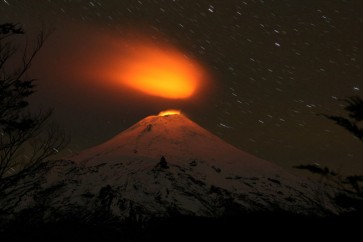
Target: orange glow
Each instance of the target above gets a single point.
(160, 71)
(169, 112)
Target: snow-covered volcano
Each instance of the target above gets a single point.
(180, 141)
(184, 165)
(159, 167)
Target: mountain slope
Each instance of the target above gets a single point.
(161, 167)
(179, 140)
(188, 150)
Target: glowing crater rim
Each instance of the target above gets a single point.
(169, 112)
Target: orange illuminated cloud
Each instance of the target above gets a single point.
(160, 71)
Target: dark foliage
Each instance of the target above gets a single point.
(316, 168)
(163, 163)
(354, 108)
(10, 28)
(20, 129)
(254, 226)
(347, 201)
(355, 182)
(350, 123)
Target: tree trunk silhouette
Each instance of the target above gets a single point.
(19, 129)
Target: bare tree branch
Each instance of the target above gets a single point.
(20, 130)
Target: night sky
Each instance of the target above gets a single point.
(272, 67)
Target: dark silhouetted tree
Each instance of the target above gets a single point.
(317, 169)
(163, 163)
(351, 122)
(355, 116)
(20, 129)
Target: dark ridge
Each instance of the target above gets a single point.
(189, 228)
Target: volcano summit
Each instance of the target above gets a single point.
(160, 168)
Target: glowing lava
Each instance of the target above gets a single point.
(169, 112)
(160, 71)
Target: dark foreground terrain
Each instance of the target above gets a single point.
(181, 228)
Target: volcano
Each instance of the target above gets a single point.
(180, 141)
(162, 167)
(172, 161)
